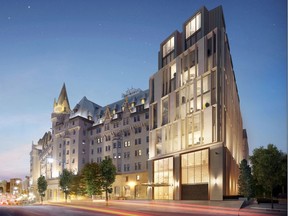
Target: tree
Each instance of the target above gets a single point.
(65, 181)
(42, 186)
(78, 186)
(267, 168)
(245, 180)
(108, 173)
(92, 178)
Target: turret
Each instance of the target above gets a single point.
(62, 104)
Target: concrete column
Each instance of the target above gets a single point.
(177, 178)
(216, 172)
(150, 179)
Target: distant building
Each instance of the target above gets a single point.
(16, 186)
(196, 131)
(3, 186)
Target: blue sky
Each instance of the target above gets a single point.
(102, 48)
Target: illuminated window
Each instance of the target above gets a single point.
(193, 25)
(190, 105)
(195, 167)
(206, 100)
(154, 116)
(173, 71)
(198, 103)
(206, 83)
(196, 129)
(165, 108)
(163, 174)
(168, 46)
(190, 131)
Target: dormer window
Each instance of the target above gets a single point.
(193, 25)
(132, 104)
(143, 101)
(168, 47)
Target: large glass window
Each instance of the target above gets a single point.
(154, 116)
(173, 71)
(196, 129)
(194, 167)
(165, 109)
(193, 25)
(163, 174)
(206, 83)
(191, 101)
(168, 46)
(158, 142)
(190, 131)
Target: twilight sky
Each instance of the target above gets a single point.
(102, 48)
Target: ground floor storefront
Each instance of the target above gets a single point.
(207, 173)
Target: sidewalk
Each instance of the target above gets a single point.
(278, 207)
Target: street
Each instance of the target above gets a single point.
(137, 208)
(45, 210)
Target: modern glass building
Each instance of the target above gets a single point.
(196, 132)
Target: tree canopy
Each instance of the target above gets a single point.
(65, 181)
(245, 181)
(108, 173)
(78, 186)
(92, 178)
(42, 186)
(267, 167)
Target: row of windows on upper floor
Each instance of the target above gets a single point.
(126, 121)
(108, 138)
(98, 140)
(99, 151)
(191, 28)
(108, 147)
(126, 143)
(188, 67)
(125, 133)
(137, 166)
(116, 124)
(126, 166)
(193, 97)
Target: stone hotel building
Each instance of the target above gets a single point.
(90, 133)
(182, 139)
